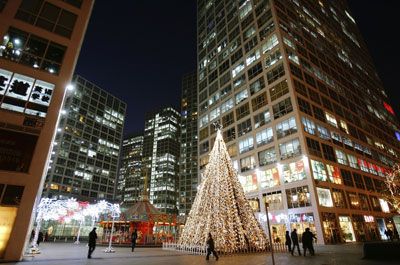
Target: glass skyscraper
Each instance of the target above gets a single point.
(188, 172)
(306, 120)
(85, 155)
(130, 185)
(161, 148)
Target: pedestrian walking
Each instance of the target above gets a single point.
(288, 241)
(390, 234)
(133, 239)
(40, 238)
(295, 241)
(307, 240)
(92, 242)
(210, 247)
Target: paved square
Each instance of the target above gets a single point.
(68, 253)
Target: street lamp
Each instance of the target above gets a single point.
(269, 234)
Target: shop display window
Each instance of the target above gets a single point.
(324, 197)
(298, 197)
(384, 206)
(354, 200)
(254, 204)
(319, 171)
(375, 204)
(347, 229)
(249, 182)
(338, 198)
(269, 178)
(294, 171)
(331, 229)
(274, 200)
(334, 174)
(364, 202)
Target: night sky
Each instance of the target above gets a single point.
(139, 50)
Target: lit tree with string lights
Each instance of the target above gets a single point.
(392, 181)
(221, 208)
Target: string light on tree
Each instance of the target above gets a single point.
(392, 181)
(221, 208)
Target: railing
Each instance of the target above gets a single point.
(201, 250)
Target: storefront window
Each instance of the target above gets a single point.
(274, 200)
(255, 204)
(354, 200)
(364, 202)
(298, 197)
(249, 182)
(331, 229)
(375, 204)
(324, 197)
(338, 198)
(347, 229)
(301, 222)
(334, 174)
(294, 171)
(319, 171)
(269, 178)
(384, 206)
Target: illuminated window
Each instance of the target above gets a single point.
(319, 171)
(324, 197)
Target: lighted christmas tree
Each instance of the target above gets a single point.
(392, 181)
(221, 208)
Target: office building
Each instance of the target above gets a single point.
(130, 178)
(85, 155)
(305, 117)
(40, 43)
(188, 176)
(161, 147)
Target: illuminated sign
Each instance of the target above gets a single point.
(24, 94)
(388, 108)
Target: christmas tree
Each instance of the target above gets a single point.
(221, 208)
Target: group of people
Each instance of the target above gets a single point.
(292, 240)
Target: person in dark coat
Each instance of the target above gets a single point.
(295, 241)
(390, 234)
(210, 247)
(288, 241)
(40, 238)
(307, 240)
(133, 239)
(92, 242)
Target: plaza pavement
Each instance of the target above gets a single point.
(68, 253)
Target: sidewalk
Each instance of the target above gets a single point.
(67, 254)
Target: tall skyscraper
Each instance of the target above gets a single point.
(85, 155)
(188, 176)
(130, 180)
(161, 147)
(40, 43)
(304, 114)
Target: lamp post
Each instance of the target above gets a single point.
(269, 234)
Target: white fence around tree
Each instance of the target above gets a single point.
(201, 250)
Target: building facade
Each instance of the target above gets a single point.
(130, 177)
(188, 171)
(305, 117)
(40, 42)
(161, 147)
(84, 160)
